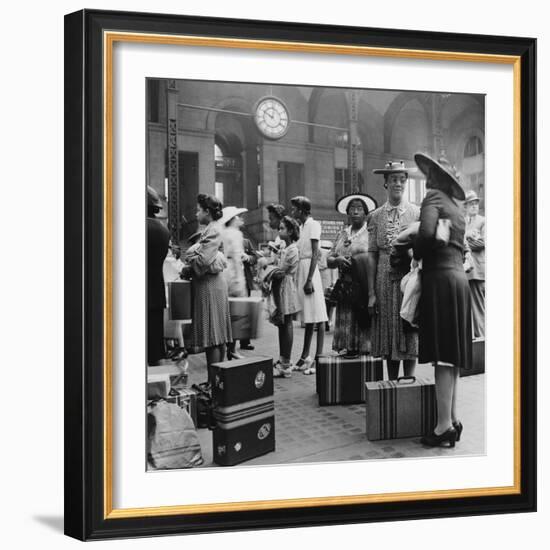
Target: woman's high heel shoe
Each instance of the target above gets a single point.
(458, 428)
(433, 440)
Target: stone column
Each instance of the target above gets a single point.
(438, 144)
(174, 219)
(353, 140)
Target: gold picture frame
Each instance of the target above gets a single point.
(91, 37)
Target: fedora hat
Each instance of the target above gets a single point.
(153, 198)
(229, 212)
(440, 173)
(393, 167)
(343, 202)
(471, 196)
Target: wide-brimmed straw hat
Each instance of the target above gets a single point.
(343, 202)
(471, 196)
(393, 167)
(229, 212)
(442, 173)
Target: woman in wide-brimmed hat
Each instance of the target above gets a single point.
(233, 248)
(350, 255)
(391, 338)
(445, 333)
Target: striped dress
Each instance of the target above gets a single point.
(389, 338)
(211, 320)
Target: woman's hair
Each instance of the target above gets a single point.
(301, 203)
(363, 204)
(292, 227)
(277, 210)
(211, 204)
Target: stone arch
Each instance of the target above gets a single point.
(234, 103)
(395, 107)
(335, 113)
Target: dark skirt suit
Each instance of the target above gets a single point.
(445, 328)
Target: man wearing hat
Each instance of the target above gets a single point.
(391, 339)
(475, 235)
(158, 238)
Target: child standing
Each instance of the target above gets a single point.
(289, 232)
(308, 282)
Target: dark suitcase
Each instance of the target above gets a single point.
(405, 407)
(179, 300)
(340, 380)
(478, 358)
(243, 431)
(241, 380)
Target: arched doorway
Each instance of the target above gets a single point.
(229, 177)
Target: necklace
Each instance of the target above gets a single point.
(350, 238)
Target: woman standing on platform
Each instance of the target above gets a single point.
(233, 249)
(391, 339)
(351, 330)
(445, 309)
(211, 321)
(311, 298)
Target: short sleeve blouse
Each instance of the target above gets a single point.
(311, 230)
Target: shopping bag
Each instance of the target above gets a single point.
(411, 287)
(172, 439)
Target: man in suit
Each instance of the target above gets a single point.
(158, 238)
(475, 236)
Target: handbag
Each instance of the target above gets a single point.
(344, 292)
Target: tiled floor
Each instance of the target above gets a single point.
(306, 432)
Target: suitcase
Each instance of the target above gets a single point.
(179, 300)
(184, 398)
(177, 373)
(341, 380)
(241, 380)
(245, 317)
(478, 358)
(243, 431)
(158, 385)
(400, 408)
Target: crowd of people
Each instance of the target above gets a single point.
(366, 295)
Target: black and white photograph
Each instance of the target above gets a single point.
(315, 269)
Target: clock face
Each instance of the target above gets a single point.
(271, 117)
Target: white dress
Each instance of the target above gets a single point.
(312, 306)
(233, 248)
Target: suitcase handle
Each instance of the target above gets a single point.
(411, 379)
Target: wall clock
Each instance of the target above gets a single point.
(271, 117)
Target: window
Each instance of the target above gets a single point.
(153, 95)
(342, 184)
(473, 147)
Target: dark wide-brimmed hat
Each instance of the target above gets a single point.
(442, 174)
(343, 202)
(393, 167)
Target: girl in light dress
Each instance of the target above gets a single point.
(309, 287)
(289, 232)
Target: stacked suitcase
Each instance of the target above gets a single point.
(244, 409)
(340, 380)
